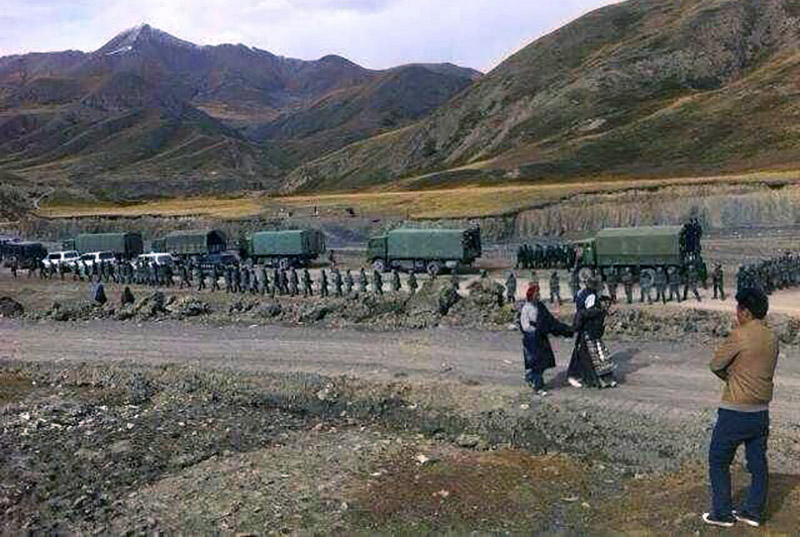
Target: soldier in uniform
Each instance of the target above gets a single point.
(395, 281)
(323, 284)
(674, 279)
(691, 283)
(308, 289)
(377, 282)
(511, 288)
(575, 283)
(454, 279)
(412, 283)
(348, 282)
(228, 273)
(627, 284)
(612, 282)
(294, 282)
(717, 281)
(126, 297)
(362, 281)
(337, 281)
(199, 277)
(661, 280)
(646, 282)
(555, 288)
(277, 286)
(215, 270)
(14, 267)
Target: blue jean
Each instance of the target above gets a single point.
(732, 430)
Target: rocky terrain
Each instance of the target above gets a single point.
(640, 88)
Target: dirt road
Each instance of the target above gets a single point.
(665, 380)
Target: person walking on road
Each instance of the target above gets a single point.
(537, 324)
(746, 363)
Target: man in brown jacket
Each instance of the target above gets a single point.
(746, 362)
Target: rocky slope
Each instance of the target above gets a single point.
(150, 115)
(645, 87)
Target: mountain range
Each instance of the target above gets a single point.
(151, 115)
(637, 89)
(644, 88)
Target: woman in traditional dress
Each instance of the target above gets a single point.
(597, 368)
(537, 324)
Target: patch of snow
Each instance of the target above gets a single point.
(127, 48)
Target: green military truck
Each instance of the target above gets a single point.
(428, 250)
(642, 249)
(192, 243)
(123, 245)
(285, 249)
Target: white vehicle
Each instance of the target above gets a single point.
(159, 258)
(66, 257)
(98, 257)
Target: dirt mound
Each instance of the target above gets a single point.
(10, 307)
(78, 311)
(669, 324)
(189, 307)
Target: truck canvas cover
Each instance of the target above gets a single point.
(657, 245)
(433, 244)
(195, 242)
(124, 244)
(300, 242)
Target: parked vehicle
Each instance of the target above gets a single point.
(122, 245)
(66, 258)
(27, 253)
(642, 249)
(220, 259)
(159, 258)
(428, 250)
(98, 257)
(297, 247)
(191, 244)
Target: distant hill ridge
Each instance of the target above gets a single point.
(645, 87)
(149, 115)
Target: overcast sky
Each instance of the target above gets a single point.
(374, 33)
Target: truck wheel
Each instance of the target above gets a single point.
(379, 265)
(285, 263)
(434, 268)
(647, 277)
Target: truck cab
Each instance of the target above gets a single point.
(377, 252)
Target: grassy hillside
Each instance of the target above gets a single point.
(643, 88)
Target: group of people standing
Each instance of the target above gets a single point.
(590, 364)
(780, 272)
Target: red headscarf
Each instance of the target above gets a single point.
(533, 288)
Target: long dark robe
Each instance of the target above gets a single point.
(536, 349)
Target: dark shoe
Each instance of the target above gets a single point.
(746, 518)
(708, 519)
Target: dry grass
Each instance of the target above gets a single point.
(465, 202)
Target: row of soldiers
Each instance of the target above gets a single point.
(666, 284)
(547, 256)
(771, 274)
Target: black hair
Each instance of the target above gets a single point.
(753, 300)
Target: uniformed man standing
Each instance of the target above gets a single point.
(691, 283)
(215, 277)
(575, 283)
(412, 283)
(674, 279)
(323, 284)
(362, 281)
(717, 280)
(348, 282)
(627, 284)
(276, 281)
(263, 280)
(228, 272)
(294, 282)
(511, 288)
(377, 282)
(337, 281)
(199, 277)
(646, 280)
(612, 282)
(14, 267)
(661, 280)
(308, 289)
(395, 281)
(555, 288)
